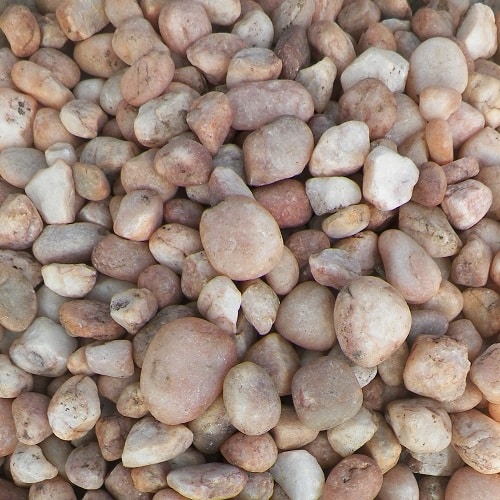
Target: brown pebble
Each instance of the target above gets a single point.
(469, 483)
(439, 141)
(293, 50)
(431, 186)
(21, 29)
(306, 242)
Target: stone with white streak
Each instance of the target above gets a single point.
(388, 179)
(327, 194)
(52, 191)
(386, 65)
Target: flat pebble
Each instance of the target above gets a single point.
(363, 310)
(208, 481)
(388, 178)
(325, 393)
(179, 353)
(299, 474)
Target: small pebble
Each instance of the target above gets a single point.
(13, 380)
(133, 308)
(86, 466)
(328, 194)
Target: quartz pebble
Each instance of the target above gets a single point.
(69, 280)
(28, 465)
(13, 380)
(260, 304)
(327, 194)
(133, 308)
(16, 118)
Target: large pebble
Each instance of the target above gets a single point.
(210, 481)
(326, 393)
(256, 103)
(21, 29)
(408, 267)
(16, 118)
(17, 299)
(77, 26)
(372, 320)
(29, 465)
(241, 251)
(277, 151)
(476, 438)
(299, 474)
(388, 178)
(305, 317)
(86, 467)
(184, 368)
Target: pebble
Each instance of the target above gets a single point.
(74, 408)
(385, 65)
(89, 319)
(408, 267)
(86, 467)
(341, 150)
(290, 433)
(305, 316)
(16, 119)
(334, 267)
(439, 140)
(388, 178)
(431, 185)
(8, 439)
(483, 371)
(74, 25)
(277, 151)
(378, 35)
(113, 358)
(467, 482)
(439, 102)
(20, 27)
(241, 252)
(49, 130)
(23, 262)
(285, 275)
(57, 205)
(13, 380)
(19, 164)
(260, 304)
(69, 280)
(193, 356)
(466, 203)
(250, 453)
(120, 258)
(28, 465)
(326, 393)
(118, 482)
(210, 118)
(328, 194)
(489, 177)
(293, 50)
(208, 481)
(151, 442)
(471, 266)
(90, 182)
(306, 242)
(43, 348)
(133, 308)
(299, 474)
(484, 146)
(406, 416)
(347, 221)
(256, 103)
(256, 28)
(260, 485)
(52, 488)
(482, 93)
(428, 23)
(253, 64)
(465, 123)
(17, 299)
(362, 247)
(435, 62)
(480, 454)
(448, 301)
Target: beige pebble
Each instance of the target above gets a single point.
(447, 301)
(16, 118)
(391, 370)
(406, 416)
(483, 373)
(478, 31)
(184, 361)
(408, 120)
(388, 178)
(20, 222)
(20, 27)
(253, 64)
(443, 463)
(321, 449)
(130, 403)
(327, 38)
(226, 182)
(90, 182)
(150, 478)
(118, 482)
(48, 130)
(439, 102)
(483, 146)
(86, 466)
(364, 375)
(8, 59)
(385, 65)
(465, 122)
(439, 141)
(60, 151)
(290, 433)
(346, 221)
(52, 488)
(28, 465)
(111, 431)
(437, 61)
(133, 308)
(212, 480)
(417, 282)
(480, 454)
(464, 331)
(328, 194)
(251, 399)
(357, 476)
(69, 280)
(434, 362)
(118, 11)
(431, 185)
(292, 13)
(428, 23)
(196, 273)
(356, 314)
(163, 118)
(256, 103)
(377, 35)
(250, 453)
(415, 148)
(77, 27)
(306, 242)
(61, 65)
(24, 262)
(108, 153)
(151, 442)
(277, 151)
(467, 482)
(13, 380)
(210, 119)
(110, 96)
(285, 275)
(489, 177)
(223, 13)
(163, 283)
(334, 267)
(82, 118)
(17, 300)
(113, 358)
(74, 408)
(260, 485)
(482, 93)
(212, 428)
(471, 266)
(467, 202)
(363, 248)
(355, 18)
(325, 393)
(256, 28)
(399, 481)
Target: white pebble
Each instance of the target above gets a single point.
(327, 194)
(29, 465)
(133, 308)
(69, 280)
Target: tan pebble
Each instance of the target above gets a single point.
(118, 482)
(467, 482)
(259, 485)
(465, 122)
(163, 283)
(448, 301)
(69, 280)
(292, 13)
(478, 31)
(210, 119)
(290, 433)
(293, 50)
(461, 169)
(48, 130)
(256, 103)
(484, 146)
(28, 465)
(112, 358)
(383, 191)
(464, 331)
(341, 150)
(77, 27)
(437, 61)
(416, 282)
(439, 102)
(346, 221)
(471, 266)
(150, 478)
(196, 273)
(178, 346)
(321, 449)
(21, 29)
(52, 36)
(391, 370)
(428, 23)
(299, 474)
(415, 148)
(23, 262)
(133, 308)
(334, 267)
(226, 182)
(90, 182)
(363, 248)
(7, 59)
(328, 39)
(108, 153)
(250, 453)
(17, 118)
(86, 466)
(489, 177)
(488, 230)
(355, 18)
(256, 28)
(118, 11)
(358, 309)
(399, 481)
(439, 141)
(82, 118)
(377, 35)
(111, 432)
(431, 186)
(482, 307)
(60, 151)
(130, 403)
(74, 408)
(482, 455)
(369, 101)
(408, 120)
(110, 95)
(432, 363)
(61, 65)
(428, 322)
(306, 242)
(483, 373)
(260, 304)
(52, 488)
(253, 64)
(13, 380)
(328, 194)
(89, 319)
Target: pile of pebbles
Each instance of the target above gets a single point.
(250, 249)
